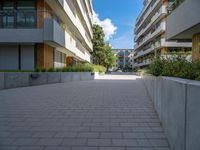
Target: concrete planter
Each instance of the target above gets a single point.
(16, 79)
(76, 76)
(86, 76)
(177, 103)
(1, 80)
(42, 78)
(66, 77)
(53, 77)
(10, 80)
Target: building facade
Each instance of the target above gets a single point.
(185, 26)
(150, 34)
(124, 58)
(44, 33)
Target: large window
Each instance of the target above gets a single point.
(18, 14)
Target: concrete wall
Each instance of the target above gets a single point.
(10, 80)
(177, 104)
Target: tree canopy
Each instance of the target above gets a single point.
(102, 51)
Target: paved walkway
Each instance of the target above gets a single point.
(89, 115)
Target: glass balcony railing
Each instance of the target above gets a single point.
(173, 5)
(24, 19)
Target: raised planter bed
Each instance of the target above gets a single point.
(177, 102)
(10, 80)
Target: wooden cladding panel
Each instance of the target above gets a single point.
(196, 47)
(45, 56)
(69, 61)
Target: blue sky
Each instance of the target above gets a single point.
(120, 14)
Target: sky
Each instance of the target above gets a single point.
(117, 17)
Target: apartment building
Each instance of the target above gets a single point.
(44, 33)
(124, 58)
(150, 34)
(182, 25)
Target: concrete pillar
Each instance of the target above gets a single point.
(164, 51)
(196, 47)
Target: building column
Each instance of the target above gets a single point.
(164, 51)
(69, 61)
(196, 47)
(44, 56)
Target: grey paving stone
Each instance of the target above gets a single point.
(111, 114)
(134, 135)
(124, 142)
(31, 148)
(159, 142)
(74, 142)
(140, 148)
(66, 134)
(111, 135)
(144, 143)
(8, 147)
(49, 141)
(24, 142)
(84, 148)
(43, 134)
(99, 142)
(112, 148)
(88, 135)
(57, 148)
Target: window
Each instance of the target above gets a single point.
(18, 14)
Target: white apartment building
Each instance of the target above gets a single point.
(150, 33)
(44, 33)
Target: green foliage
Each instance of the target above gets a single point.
(102, 54)
(85, 67)
(175, 66)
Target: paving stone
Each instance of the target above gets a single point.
(31, 148)
(66, 134)
(99, 142)
(89, 115)
(57, 148)
(112, 148)
(49, 141)
(111, 135)
(84, 148)
(88, 135)
(8, 148)
(43, 134)
(124, 142)
(74, 142)
(25, 142)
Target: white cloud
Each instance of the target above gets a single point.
(108, 27)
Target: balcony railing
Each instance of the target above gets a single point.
(25, 18)
(173, 5)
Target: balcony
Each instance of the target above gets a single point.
(70, 17)
(161, 28)
(182, 25)
(144, 63)
(162, 11)
(150, 10)
(20, 27)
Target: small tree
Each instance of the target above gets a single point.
(102, 53)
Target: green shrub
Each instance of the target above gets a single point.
(175, 66)
(156, 67)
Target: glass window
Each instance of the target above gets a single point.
(26, 4)
(8, 5)
(8, 21)
(26, 16)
